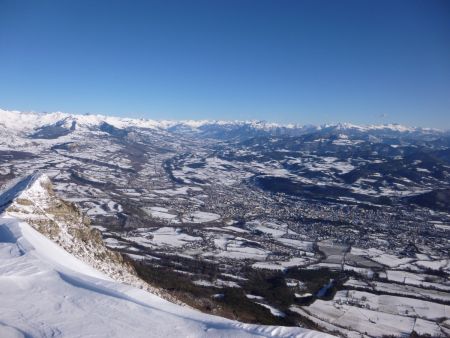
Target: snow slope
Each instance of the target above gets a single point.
(46, 292)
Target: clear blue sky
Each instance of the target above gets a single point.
(299, 61)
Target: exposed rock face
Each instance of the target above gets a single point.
(33, 200)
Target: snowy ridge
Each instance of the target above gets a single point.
(47, 292)
(16, 188)
(22, 121)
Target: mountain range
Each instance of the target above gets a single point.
(52, 125)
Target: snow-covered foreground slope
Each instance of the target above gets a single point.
(46, 292)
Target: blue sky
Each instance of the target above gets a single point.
(299, 61)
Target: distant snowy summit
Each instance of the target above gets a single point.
(53, 125)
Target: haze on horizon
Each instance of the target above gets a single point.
(307, 62)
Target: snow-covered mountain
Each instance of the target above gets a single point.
(48, 292)
(51, 125)
(29, 120)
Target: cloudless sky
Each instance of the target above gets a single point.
(314, 61)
